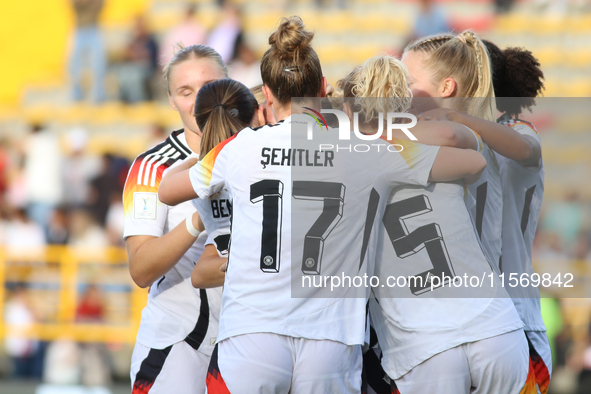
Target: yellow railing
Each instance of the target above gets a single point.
(62, 322)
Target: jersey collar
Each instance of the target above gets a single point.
(180, 141)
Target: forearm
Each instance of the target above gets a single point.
(500, 138)
(152, 257)
(207, 274)
(176, 187)
(444, 133)
(453, 163)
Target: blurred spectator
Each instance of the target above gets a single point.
(225, 36)
(58, 232)
(42, 174)
(4, 167)
(91, 309)
(549, 247)
(582, 250)
(16, 195)
(78, 169)
(62, 363)
(565, 219)
(94, 362)
(86, 233)
(158, 133)
(20, 348)
(430, 20)
(88, 50)
(22, 234)
(140, 65)
(110, 180)
(115, 221)
(188, 32)
(245, 67)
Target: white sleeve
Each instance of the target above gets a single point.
(208, 175)
(144, 213)
(412, 165)
(221, 240)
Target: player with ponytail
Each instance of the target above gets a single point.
(453, 71)
(517, 79)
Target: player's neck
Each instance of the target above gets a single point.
(193, 140)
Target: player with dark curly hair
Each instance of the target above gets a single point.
(517, 80)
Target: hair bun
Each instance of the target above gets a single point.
(291, 36)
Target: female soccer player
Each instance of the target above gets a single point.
(298, 212)
(433, 333)
(517, 79)
(453, 71)
(179, 323)
(222, 108)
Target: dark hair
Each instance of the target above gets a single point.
(222, 108)
(290, 67)
(517, 78)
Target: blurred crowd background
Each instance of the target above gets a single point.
(82, 95)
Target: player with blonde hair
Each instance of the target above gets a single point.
(453, 71)
(517, 79)
(434, 337)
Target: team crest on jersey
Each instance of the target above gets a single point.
(145, 205)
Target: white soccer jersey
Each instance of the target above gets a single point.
(486, 207)
(215, 213)
(301, 213)
(175, 310)
(523, 189)
(427, 232)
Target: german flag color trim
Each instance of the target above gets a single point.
(214, 381)
(393, 388)
(209, 161)
(542, 375)
(146, 172)
(530, 382)
(410, 150)
(149, 370)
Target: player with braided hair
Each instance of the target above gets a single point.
(453, 71)
(518, 79)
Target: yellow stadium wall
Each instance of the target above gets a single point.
(35, 37)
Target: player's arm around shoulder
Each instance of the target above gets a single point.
(176, 186)
(445, 133)
(452, 164)
(151, 257)
(505, 140)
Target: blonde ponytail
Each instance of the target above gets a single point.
(464, 58)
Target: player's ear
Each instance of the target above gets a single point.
(268, 95)
(259, 117)
(448, 87)
(323, 87)
(172, 104)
